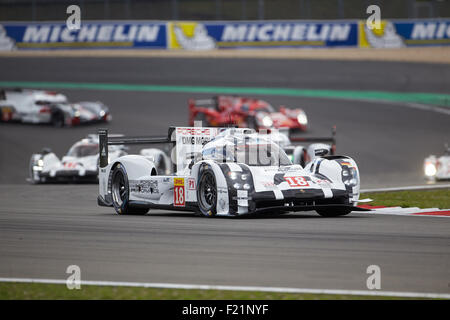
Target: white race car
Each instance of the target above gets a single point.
(79, 164)
(437, 168)
(225, 175)
(39, 106)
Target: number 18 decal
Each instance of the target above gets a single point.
(296, 181)
(179, 199)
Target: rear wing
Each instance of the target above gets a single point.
(208, 103)
(105, 141)
(187, 141)
(331, 139)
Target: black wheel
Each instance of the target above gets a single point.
(252, 123)
(120, 192)
(336, 212)
(207, 193)
(58, 119)
(202, 117)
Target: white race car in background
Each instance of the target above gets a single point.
(225, 175)
(437, 168)
(40, 106)
(79, 164)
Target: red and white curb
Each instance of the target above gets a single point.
(411, 211)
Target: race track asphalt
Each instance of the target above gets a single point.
(45, 228)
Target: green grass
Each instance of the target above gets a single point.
(37, 291)
(423, 199)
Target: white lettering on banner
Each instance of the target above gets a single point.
(87, 33)
(281, 32)
(148, 33)
(422, 31)
(286, 32)
(105, 33)
(429, 31)
(234, 33)
(36, 34)
(340, 32)
(55, 34)
(66, 35)
(119, 34)
(91, 33)
(264, 34)
(299, 32)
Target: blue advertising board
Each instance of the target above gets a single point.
(90, 35)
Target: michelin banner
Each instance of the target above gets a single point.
(210, 35)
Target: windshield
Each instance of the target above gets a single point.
(83, 151)
(261, 154)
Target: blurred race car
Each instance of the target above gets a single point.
(225, 175)
(437, 168)
(221, 111)
(39, 106)
(79, 164)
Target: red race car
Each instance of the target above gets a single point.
(244, 112)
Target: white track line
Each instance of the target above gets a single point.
(237, 288)
(434, 186)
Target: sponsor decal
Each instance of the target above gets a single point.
(383, 37)
(6, 43)
(179, 199)
(191, 183)
(189, 36)
(309, 34)
(296, 182)
(145, 186)
(90, 34)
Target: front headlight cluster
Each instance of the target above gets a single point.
(302, 119)
(267, 121)
(430, 169)
(39, 165)
(350, 176)
(240, 180)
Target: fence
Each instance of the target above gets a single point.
(207, 10)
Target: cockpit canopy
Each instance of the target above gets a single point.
(252, 150)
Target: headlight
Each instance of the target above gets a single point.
(40, 163)
(301, 118)
(246, 186)
(232, 175)
(236, 186)
(430, 169)
(244, 176)
(102, 113)
(76, 114)
(267, 122)
(350, 176)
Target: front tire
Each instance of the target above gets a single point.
(58, 119)
(121, 193)
(207, 194)
(335, 212)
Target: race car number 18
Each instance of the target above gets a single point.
(178, 192)
(296, 181)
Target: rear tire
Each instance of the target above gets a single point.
(207, 193)
(120, 192)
